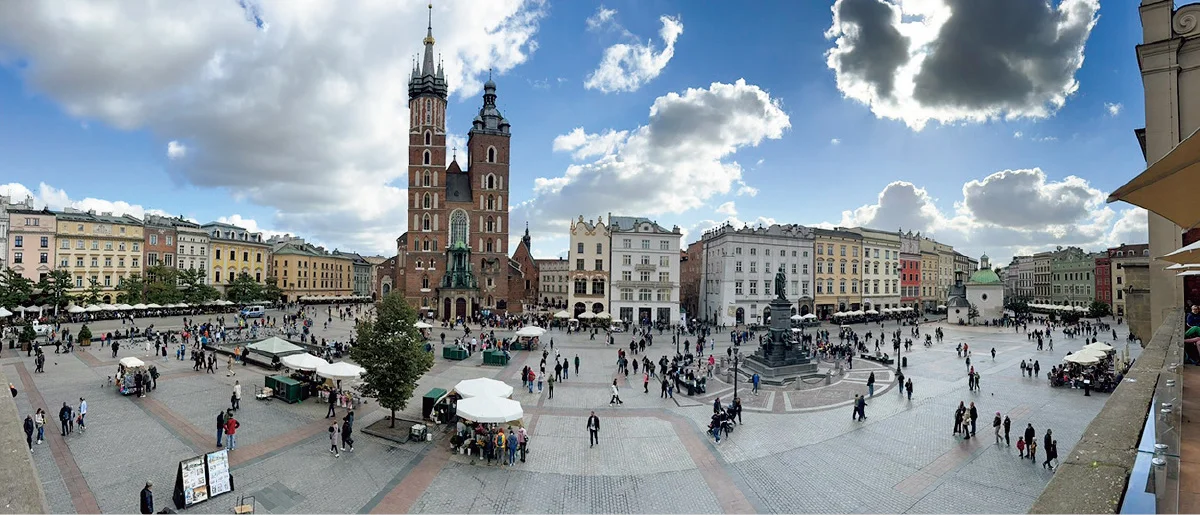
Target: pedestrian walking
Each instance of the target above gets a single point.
(513, 445)
(645, 382)
(974, 415)
(576, 364)
(235, 400)
(755, 380)
(996, 426)
(1046, 450)
(64, 417)
(1007, 425)
(347, 432)
(229, 368)
(147, 498)
(231, 427)
(550, 387)
(871, 385)
(616, 394)
(221, 428)
(522, 442)
(332, 403)
(1030, 439)
(335, 436)
(593, 426)
(908, 388)
(39, 421)
(29, 431)
(541, 377)
(82, 415)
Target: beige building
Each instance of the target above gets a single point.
(1119, 257)
(589, 267)
(945, 270)
(553, 280)
(31, 242)
(837, 258)
(881, 268)
(236, 251)
(102, 248)
(304, 270)
(1170, 67)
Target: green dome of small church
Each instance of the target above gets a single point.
(984, 276)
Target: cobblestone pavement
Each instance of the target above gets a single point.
(797, 449)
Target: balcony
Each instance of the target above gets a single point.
(643, 284)
(642, 267)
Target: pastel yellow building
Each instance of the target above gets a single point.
(305, 270)
(837, 258)
(236, 251)
(99, 247)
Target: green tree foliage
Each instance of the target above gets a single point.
(15, 289)
(132, 290)
(243, 289)
(163, 285)
(195, 291)
(392, 352)
(1018, 305)
(54, 287)
(972, 313)
(271, 291)
(93, 293)
(85, 334)
(27, 334)
(1099, 309)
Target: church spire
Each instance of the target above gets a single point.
(526, 239)
(427, 64)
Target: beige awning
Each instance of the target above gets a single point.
(1169, 186)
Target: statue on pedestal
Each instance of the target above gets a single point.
(781, 284)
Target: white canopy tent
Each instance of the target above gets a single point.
(153, 306)
(306, 362)
(75, 310)
(797, 317)
(1099, 346)
(341, 371)
(275, 346)
(1082, 358)
(809, 316)
(871, 312)
(603, 314)
(530, 332)
(587, 315)
(483, 387)
(562, 314)
(138, 306)
(490, 410)
(93, 308)
(422, 325)
(132, 362)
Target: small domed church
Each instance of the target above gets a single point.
(984, 290)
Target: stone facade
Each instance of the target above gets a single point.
(159, 245)
(553, 282)
(881, 269)
(691, 272)
(1071, 281)
(645, 271)
(910, 270)
(1119, 258)
(523, 278)
(306, 270)
(838, 281)
(739, 267)
(101, 247)
(236, 251)
(1103, 275)
(26, 230)
(192, 252)
(590, 263)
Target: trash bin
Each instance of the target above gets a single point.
(904, 361)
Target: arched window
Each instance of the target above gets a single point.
(425, 160)
(428, 111)
(427, 202)
(418, 264)
(425, 177)
(433, 262)
(491, 182)
(491, 224)
(458, 227)
(488, 245)
(428, 138)
(425, 222)
(491, 155)
(425, 282)
(425, 244)
(491, 203)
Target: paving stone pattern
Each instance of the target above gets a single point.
(797, 451)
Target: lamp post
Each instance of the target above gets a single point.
(735, 372)
(899, 346)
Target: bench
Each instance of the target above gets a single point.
(886, 360)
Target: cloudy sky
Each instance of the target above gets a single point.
(997, 127)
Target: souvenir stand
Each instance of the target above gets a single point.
(127, 368)
(336, 373)
(527, 338)
(304, 367)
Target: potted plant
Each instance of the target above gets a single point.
(85, 336)
(26, 337)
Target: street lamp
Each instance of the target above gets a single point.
(898, 347)
(735, 372)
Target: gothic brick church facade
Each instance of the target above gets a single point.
(453, 261)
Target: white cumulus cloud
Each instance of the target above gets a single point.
(1113, 109)
(56, 199)
(728, 209)
(959, 60)
(176, 150)
(627, 66)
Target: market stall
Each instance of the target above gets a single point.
(483, 387)
(490, 410)
(495, 357)
(527, 338)
(338, 372)
(431, 401)
(127, 370)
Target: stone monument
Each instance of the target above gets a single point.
(778, 359)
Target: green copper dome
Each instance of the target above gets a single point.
(984, 276)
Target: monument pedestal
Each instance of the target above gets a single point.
(778, 360)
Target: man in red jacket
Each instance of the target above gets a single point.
(231, 426)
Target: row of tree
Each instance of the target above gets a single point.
(161, 285)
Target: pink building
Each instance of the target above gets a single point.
(31, 242)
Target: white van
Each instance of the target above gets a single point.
(253, 311)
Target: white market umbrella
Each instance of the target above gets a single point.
(93, 308)
(587, 315)
(871, 312)
(562, 314)
(124, 307)
(1081, 358)
(152, 306)
(4, 312)
(75, 310)
(340, 371)
(181, 305)
(797, 317)
(809, 316)
(1099, 346)
(108, 307)
(139, 306)
(490, 410)
(530, 332)
(306, 362)
(422, 325)
(483, 387)
(603, 314)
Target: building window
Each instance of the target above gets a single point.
(644, 294)
(626, 259)
(597, 286)
(842, 286)
(753, 265)
(579, 248)
(491, 154)
(428, 138)
(664, 277)
(819, 288)
(626, 275)
(664, 295)
(737, 266)
(644, 276)
(18, 241)
(664, 245)
(425, 158)
(753, 288)
(581, 287)
(18, 258)
(599, 265)
(579, 264)
(626, 293)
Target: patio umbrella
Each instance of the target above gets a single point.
(530, 332)
(4, 312)
(340, 371)
(124, 307)
(809, 316)
(490, 410)
(75, 309)
(93, 308)
(1167, 186)
(1081, 358)
(797, 317)
(422, 325)
(871, 312)
(152, 306)
(108, 307)
(603, 314)
(562, 314)
(139, 306)
(586, 315)
(181, 305)
(1099, 346)
(483, 387)
(306, 362)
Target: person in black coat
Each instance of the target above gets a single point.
(64, 417)
(974, 416)
(593, 425)
(147, 501)
(1007, 426)
(29, 431)
(1030, 434)
(332, 403)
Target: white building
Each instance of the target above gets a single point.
(589, 266)
(193, 250)
(739, 271)
(645, 271)
(881, 268)
(985, 291)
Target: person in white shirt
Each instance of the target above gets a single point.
(82, 414)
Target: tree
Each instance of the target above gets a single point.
(271, 291)
(1099, 309)
(195, 291)
(85, 335)
(243, 289)
(972, 313)
(15, 289)
(93, 292)
(163, 285)
(393, 353)
(54, 287)
(1018, 305)
(27, 334)
(131, 290)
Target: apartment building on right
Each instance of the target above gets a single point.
(1119, 257)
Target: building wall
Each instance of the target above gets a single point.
(523, 281)
(929, 279)
(111, 249)
(945, 276)
(988, 299)
(691, 272)
(645, 272)
(910, 270)
(841, 254)
(553, 282)
(1042, 277)
(385, 277)
(881, 269)
(589, 261)
(1171, 81)
(1119, 257)
(1072, 279)
(729, 296)
(158, 248)
(193, 250)
(1103, 275)
(29, 227)
(300, 273)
